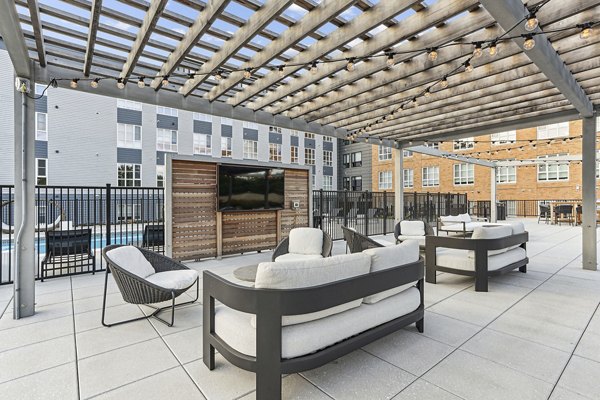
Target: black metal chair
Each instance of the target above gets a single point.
(544, 213)
(69, 249)
(283, 247)
(154, 236)
(356, 242)
(564, 213)
(137, 290)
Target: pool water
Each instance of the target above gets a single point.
(98, 241)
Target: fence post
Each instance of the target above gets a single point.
(108, 222)
(367, 208)
(385, 212)
(321, 208)
(345, 208)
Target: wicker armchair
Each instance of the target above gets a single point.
(137, 290)
(283, 247)
(356, 242)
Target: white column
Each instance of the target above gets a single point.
(398, 184)
(588, 181)
(493, 209)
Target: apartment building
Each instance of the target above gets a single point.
(84, 139)
(423, 173)
(355, 166)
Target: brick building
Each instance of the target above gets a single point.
(423, 173)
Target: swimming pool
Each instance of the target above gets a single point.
(98, 241)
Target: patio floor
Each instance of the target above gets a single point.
(533, 336)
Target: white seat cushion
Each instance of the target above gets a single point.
(306, 241)
(491, 232)
(301, 339)
(174, 280)
(298, 257)
(465, 217)
(419, 239)
(412, 228)
(389, 257)
(468, 226)
(459, 259)
(132, 260)
(307, 273)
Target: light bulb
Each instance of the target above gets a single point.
(141, 84)
(390, 60)
(247, 73)
(477, 52)
(313, 68)
(415, 102)
(427, 92)
(444, 83)
(468, 67)
(529, 43)
(350, 65)
(120, 83)
(281, 73)
(218, 76)
(94, 83)
(585, 33)
(532, 23)
(433, 55)
(493, 49)
(165, 80)
(73, 83)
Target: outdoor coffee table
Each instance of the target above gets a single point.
(247, 273)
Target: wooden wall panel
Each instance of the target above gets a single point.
(297, 188)
(246, 231)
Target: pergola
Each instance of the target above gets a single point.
(345, 68)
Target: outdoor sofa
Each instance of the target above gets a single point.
(491, 250)
(461, 223)
(303, 314)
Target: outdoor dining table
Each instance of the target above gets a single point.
(576, 213)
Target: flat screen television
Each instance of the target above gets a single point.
(250, 188)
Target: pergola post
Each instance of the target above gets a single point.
(588, 151)
(398, 184)
(493, 208)
(24, 211)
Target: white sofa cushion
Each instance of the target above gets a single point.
(389, 257)
(419, 239)
(458, 227)
(306, 241)
(132, 260)
(459, 259)
(383, 242)
(297, 257)
(412, 228)
(307, 273)
(174, 280)
(296, 340)
(491, 232)
(465, 217)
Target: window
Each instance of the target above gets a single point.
(356, 183)
(432, 145)
(346, 160)
(226, 121)
(506, 174)
(202, 144)
(129, 136)
(328, 139)
(202, 117)
(251, 149)
(250, 125)
(127, 211)
(554, 130)
(41, 126)
(166, 140)
(464, 144)
(294, 133)
(39, 89)
(503, 137)
(327, 182)
(294, 154)
(357, 159)
(309, 135)
(274, 129)
(328, 158)
(160, 175)
(346, 183)
(275, 152)
(430, 176)
(409, 178)
(173, 112)
(41, 171)
(225, 147)
(129, 174)
(309, 156)
(407, 153)
(385, 180)
(553, 170)
(464, 174)
(128, 104)
(385, 153)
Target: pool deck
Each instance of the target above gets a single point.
(532, 336)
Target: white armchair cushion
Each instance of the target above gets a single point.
(174, 280)
(307, 273)
(297, 257)
(491, 232)
(412, 228)
(132, 260)
(389, 257)
(465, 218)
(306, 241)
(420, 239)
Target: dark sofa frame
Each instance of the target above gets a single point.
(270, 305)
(481, 247)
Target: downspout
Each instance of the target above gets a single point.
(19, 235)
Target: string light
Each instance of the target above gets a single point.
(478, 51)
(165, 80)
(427, 93)
(390, 60)
(493, 49)
(94, 83)
(432, 54)
(141, 84)
(120, 83)
(73, 83)
(247, 73)
(531, 23)
(586, 32)
(313, 68)
(281, 73)
(468, 66)
(415, 102)
(350, 65)
(529, 42)
(444, 83)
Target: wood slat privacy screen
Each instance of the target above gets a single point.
(199, 231)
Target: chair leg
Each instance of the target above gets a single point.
(523, 269)
(420, 325)
(104, 306)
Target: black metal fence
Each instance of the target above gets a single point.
(513, 208)
(74, 223)
(372, 213)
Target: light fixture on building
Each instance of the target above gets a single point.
(477, 52)
(120, 83)
(94, 83)
(350, 65)
(468, 66)
(73, 83)
(529, 42)
(531, 23)
(247, 73)
(432, 54)
(313, 68)
(141, 84)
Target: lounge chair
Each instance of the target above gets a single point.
(357, 242)
(69, 250)
(302, 244)
(413, 230)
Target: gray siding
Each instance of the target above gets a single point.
(275, 137)
(364, 171)
(131, 117)
(129, 156)
(309, 143)
(41, 149)
(250, 134)
(202, 127)
(328, 171)
(167, 122)
(328, 146)
(160, 157)
(294, 140)
(41, 104)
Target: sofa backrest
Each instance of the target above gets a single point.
(308, 241)
(453, 219)
(412, 228)
(492, 232)
(302, 274)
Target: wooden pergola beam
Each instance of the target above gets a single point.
(14, 41)
(91, 38)
(36, 23)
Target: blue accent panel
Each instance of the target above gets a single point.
(250, 134)
(309, 143)
(328, 146)
(126, 116)
(41, 149)
(203, 127)
(328, 171)
(294, 140)
(167, 122)
(129, 156)
(275, 138)
(160, 157)
(41, 104)
(226, 131)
